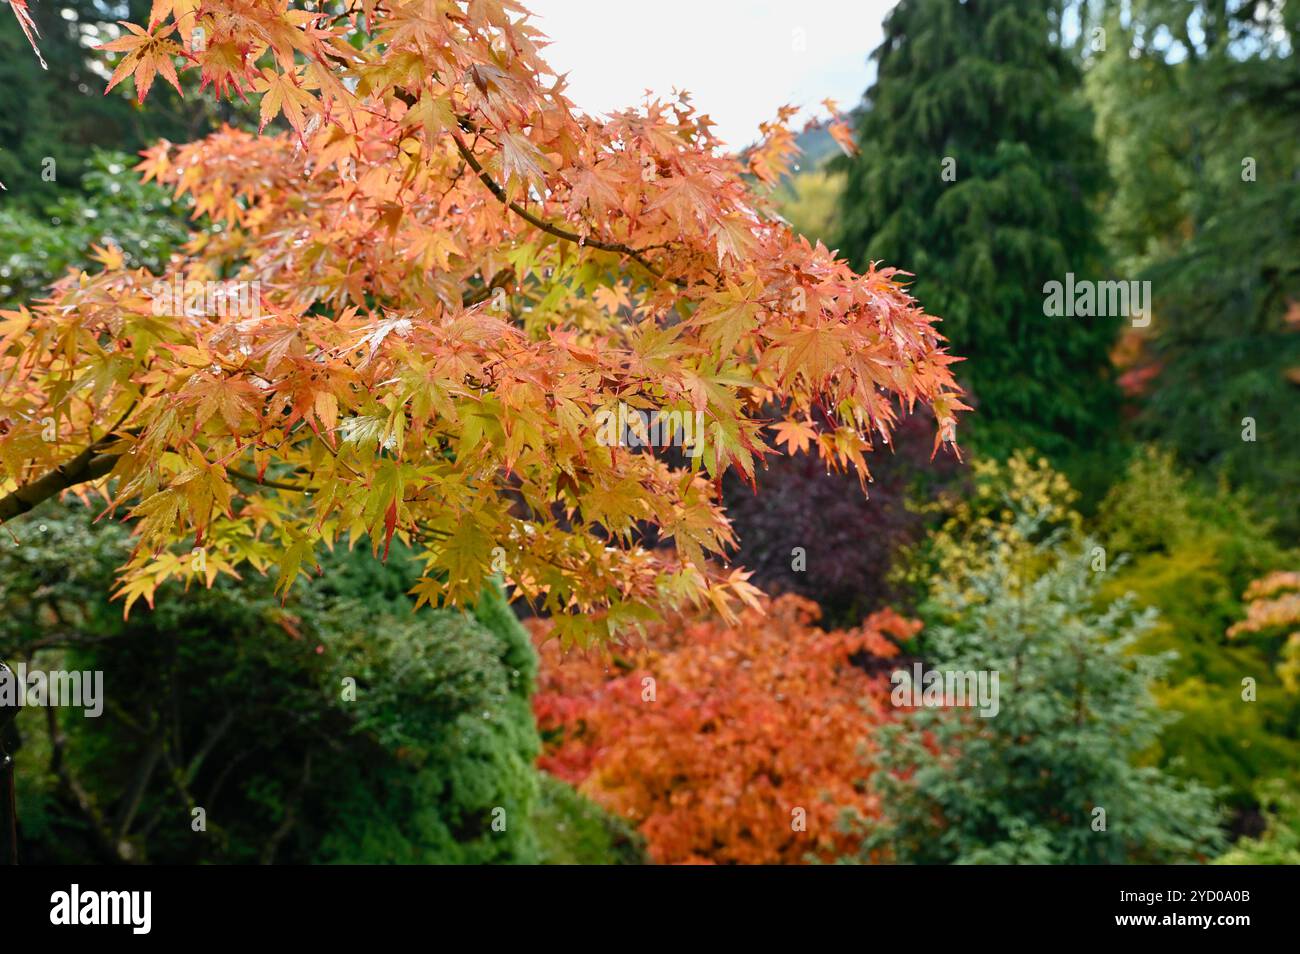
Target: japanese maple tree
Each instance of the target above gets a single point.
(453, 273)
(726, 743)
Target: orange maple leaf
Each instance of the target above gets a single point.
(795, 435)
(147, 54)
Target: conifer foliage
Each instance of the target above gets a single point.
(1055, 777)
(977, 170)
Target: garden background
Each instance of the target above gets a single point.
(1118, 539)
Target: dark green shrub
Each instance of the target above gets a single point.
(230, 701)
(573, 830)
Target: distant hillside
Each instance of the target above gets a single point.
(816, 146)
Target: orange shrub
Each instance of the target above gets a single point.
(725, 744)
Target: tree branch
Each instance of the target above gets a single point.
(75, 794)
(135, 792)
(290, 818)
(537, 222)
(498, 280)
(209, 743)
(274, 484)
(89, 465)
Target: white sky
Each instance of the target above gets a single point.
(740, 59)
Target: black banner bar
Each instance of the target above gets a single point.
(332, 904)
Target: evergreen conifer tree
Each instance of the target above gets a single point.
(1199, 104)
(979, 169)
(1050, 772)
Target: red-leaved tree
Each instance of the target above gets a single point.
(725, 743)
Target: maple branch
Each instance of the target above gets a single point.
(262, 481)
(87, 466)
(498, 280)
(551, 229)
(91, 465)
(350, 11)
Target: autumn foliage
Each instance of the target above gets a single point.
(453, 273)
(1273, 609)
(711, 736)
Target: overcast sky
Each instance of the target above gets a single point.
(740, 59)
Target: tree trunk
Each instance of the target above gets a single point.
(8, 800)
